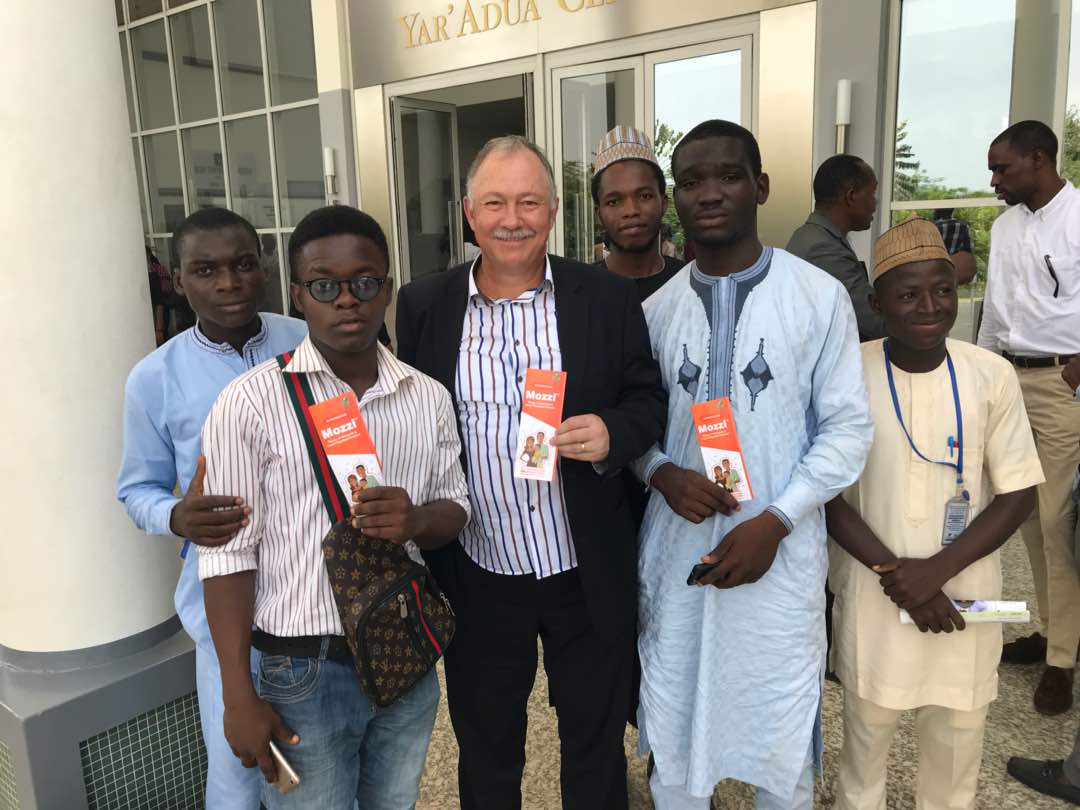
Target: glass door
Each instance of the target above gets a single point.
(587, 101)
(428, 182)
(685, 86)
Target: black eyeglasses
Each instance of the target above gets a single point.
(362, 288)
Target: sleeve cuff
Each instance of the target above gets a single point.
(651, 462)
(781, 517)
(795, 502)
(161, 517)
(223, 563)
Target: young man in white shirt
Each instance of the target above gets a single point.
(272, 575)
(951, 440)
(1031, 316)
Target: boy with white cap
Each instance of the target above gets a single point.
(950, 476)
(630, 192)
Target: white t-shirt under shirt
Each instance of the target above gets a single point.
(902, 499)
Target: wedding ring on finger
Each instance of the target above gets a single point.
(583, 447)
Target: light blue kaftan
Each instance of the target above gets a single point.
(731, 679)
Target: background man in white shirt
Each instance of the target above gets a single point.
(1032, 316)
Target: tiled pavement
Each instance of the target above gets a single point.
(1014, 728)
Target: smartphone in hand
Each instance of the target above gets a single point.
(698, 571)
(287, 778)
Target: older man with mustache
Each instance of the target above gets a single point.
(550, 560)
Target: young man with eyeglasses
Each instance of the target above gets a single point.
(272, 577)
(166, 400)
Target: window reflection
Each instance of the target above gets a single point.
(203, 168)
(152, 83)
(290, 48)
(240, 67)
(953, 95)
(591, 105)
(127, 81)
(194, 65)
(688, 91)
(271, 299)
(141, 182)
(299, 163)
(249, 170)
(163, 181)
(137, 9)
(1070, 143)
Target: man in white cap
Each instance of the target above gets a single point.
(630, 192)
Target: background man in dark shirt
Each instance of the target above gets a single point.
(957, 237)
(845, 199)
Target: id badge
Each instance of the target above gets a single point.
(956, 518)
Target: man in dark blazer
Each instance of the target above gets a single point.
(553, 560)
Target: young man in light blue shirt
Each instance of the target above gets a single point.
(167, 398)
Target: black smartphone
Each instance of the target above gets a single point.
(698, 571)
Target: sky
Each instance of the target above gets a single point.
(956, 61)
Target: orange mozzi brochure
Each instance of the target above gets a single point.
(347, 443)
(541, 415)
(720, 448)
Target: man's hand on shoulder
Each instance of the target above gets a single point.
(207, 520)
(690, 494)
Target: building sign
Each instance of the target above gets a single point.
(402, 39)
(466, 19)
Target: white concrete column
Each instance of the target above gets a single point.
(74, 299)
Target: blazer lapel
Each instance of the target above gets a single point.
(572, 314)
(447, 318)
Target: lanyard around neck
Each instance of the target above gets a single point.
(959, 465)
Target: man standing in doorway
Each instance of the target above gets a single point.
(555, 560)
(167, 398)
(732, 673)
(1031, 315)
(845, 200)
(630, 192)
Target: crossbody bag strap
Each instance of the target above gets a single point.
(299, 390)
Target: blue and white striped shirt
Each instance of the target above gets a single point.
(517, 526)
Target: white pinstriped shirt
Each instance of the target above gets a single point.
(254, 449)
(517, 526)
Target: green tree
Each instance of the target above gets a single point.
(1070, 146)
(664, 140)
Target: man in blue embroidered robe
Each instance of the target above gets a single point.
(732, 670)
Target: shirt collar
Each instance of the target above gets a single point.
(826, 223)
(204, 342)
(1057, 201)
(309, 360)
(760, 265)
(478, 297)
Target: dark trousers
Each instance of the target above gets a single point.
(490, 669)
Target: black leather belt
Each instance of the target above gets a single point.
(1038, 362)
(301, 646)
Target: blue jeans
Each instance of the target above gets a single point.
(349, 749)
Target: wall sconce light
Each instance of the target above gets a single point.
(328, 172)
(843, 113)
